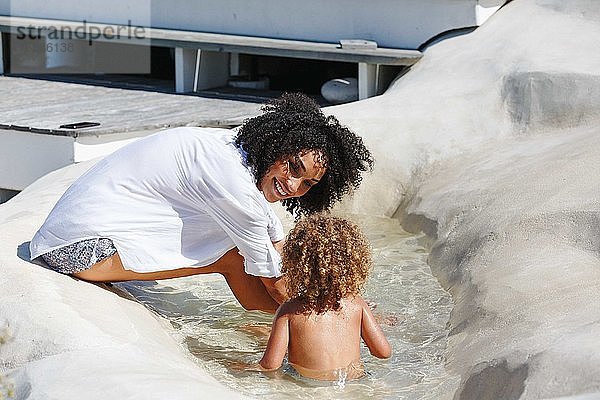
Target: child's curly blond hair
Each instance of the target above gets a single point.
(324, 260)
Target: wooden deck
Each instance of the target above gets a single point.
(41, 106)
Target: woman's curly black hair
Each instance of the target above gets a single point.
(292, 124)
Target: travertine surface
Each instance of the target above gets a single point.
(491, 145)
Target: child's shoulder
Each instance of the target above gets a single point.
(350, 304)
(353, 305)
(289, 307)
(354, 302)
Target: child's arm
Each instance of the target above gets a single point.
(278, 341)
(372, 334)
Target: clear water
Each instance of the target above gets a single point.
(412, 306)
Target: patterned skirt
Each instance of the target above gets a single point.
(79, 256)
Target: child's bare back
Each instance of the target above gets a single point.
(326, 262)
(325, 346)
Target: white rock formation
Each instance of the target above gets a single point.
(491, 145)
(68, 339)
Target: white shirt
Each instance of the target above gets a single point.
(178, 198)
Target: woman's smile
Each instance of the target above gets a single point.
(279, 189)
(292, 176)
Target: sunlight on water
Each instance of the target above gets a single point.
(412, 306)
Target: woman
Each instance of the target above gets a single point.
(188, 201)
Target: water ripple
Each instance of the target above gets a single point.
(409, 300)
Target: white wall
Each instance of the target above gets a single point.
(19, 149)
(108, 11)
(25, 156)
(391, 23)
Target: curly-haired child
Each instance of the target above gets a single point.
(326, 261)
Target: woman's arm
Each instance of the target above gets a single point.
(276, 288)
(278, 341)
(373, 335)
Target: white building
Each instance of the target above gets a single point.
(212, 41)
(264, 27)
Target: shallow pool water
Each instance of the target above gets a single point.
(412, 306)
